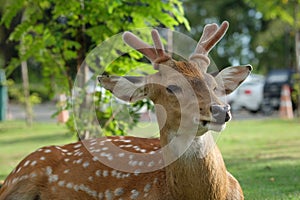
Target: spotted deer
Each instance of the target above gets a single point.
(184, 163)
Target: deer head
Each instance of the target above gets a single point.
(184, 94)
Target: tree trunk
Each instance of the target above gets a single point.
(297, 49)
(24, 71)
(28, 106)
(85, 133)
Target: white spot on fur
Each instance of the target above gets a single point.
(76, 188)
(143, 150)
(100, 196)
(118, 192)
(151, 164)
(134, 194)
(42, 158)
(69, 185)
(48, 151)
(108, 195)
(19, 169)
(32, 175)
(48, 170)
(141, 163)
(61, 183)
(26, 163)
(77, 146)
(95, 158)
(121, 155)
(152, 152)
(114, 172)
(86, 164)
(105, 173)
(137, 172)
(147, 187)
(133, 163)
(98, 173)
(53, 178)
(33, 163)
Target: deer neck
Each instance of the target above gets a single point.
(199, 171)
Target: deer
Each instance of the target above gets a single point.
(184, 163)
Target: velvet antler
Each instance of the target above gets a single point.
(155, 54)
(211, 35)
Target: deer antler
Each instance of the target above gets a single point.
(212, 34)
(155, 54)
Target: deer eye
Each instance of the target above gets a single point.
(172, 89)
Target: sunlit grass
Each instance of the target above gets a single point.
(265, 157)
(17, 140)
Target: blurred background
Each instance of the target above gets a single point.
(43, 44)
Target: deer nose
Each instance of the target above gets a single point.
(220, 113)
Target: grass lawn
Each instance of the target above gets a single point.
(17, 140)
(263, 155)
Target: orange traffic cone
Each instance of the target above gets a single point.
(63, 116)
(286, 110)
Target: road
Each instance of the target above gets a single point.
(44, 111)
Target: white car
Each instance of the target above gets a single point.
(249, 95)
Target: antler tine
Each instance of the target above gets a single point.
(140, 45)
(155, 54)
(212, 34)
(208, 31)
(216, 37)
(157, 43)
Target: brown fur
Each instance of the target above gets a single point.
(176, 181)
(188, 69)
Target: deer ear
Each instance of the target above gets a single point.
(232, 77)
(126, 88)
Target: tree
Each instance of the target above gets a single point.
(59, 34)
(237, 47)
(287, 11)
(251, 38)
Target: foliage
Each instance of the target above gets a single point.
(251, 38)
(296, 89)
(285, 21)
(236, 47)
(277, 40)
(278, 9)
(59, 34)
(16, 93)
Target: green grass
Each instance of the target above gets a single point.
(17, 140)
(263, 155)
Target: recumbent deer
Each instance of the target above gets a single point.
(188, 108)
